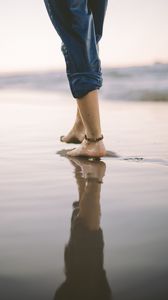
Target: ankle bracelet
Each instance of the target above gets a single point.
(93, 140)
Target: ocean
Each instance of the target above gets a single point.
(143, 83)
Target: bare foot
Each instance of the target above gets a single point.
(89, 149)
(76, 135)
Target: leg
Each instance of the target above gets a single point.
(89, 110)
(87, 119)
(98, 9)
(77, 133)
(75, 24)
(73, 21)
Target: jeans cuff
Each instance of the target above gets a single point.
(82, 83)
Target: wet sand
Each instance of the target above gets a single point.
(78, 228)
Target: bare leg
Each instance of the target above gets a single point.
(89, 110)
(76, 134)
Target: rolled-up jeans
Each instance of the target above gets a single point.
(79, 23)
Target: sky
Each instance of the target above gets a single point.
(135, 33)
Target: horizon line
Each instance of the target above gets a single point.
(61, 69)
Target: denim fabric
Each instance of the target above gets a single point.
(79, 24)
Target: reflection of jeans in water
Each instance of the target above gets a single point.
(79, 24)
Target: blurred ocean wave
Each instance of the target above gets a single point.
(146, 83)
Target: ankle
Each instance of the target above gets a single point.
(94, 139)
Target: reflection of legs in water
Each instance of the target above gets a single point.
(85, 276)
(88, 177)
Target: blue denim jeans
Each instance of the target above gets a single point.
(79, 23)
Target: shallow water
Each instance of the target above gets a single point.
(116, 243)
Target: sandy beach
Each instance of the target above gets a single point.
(123, 201)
